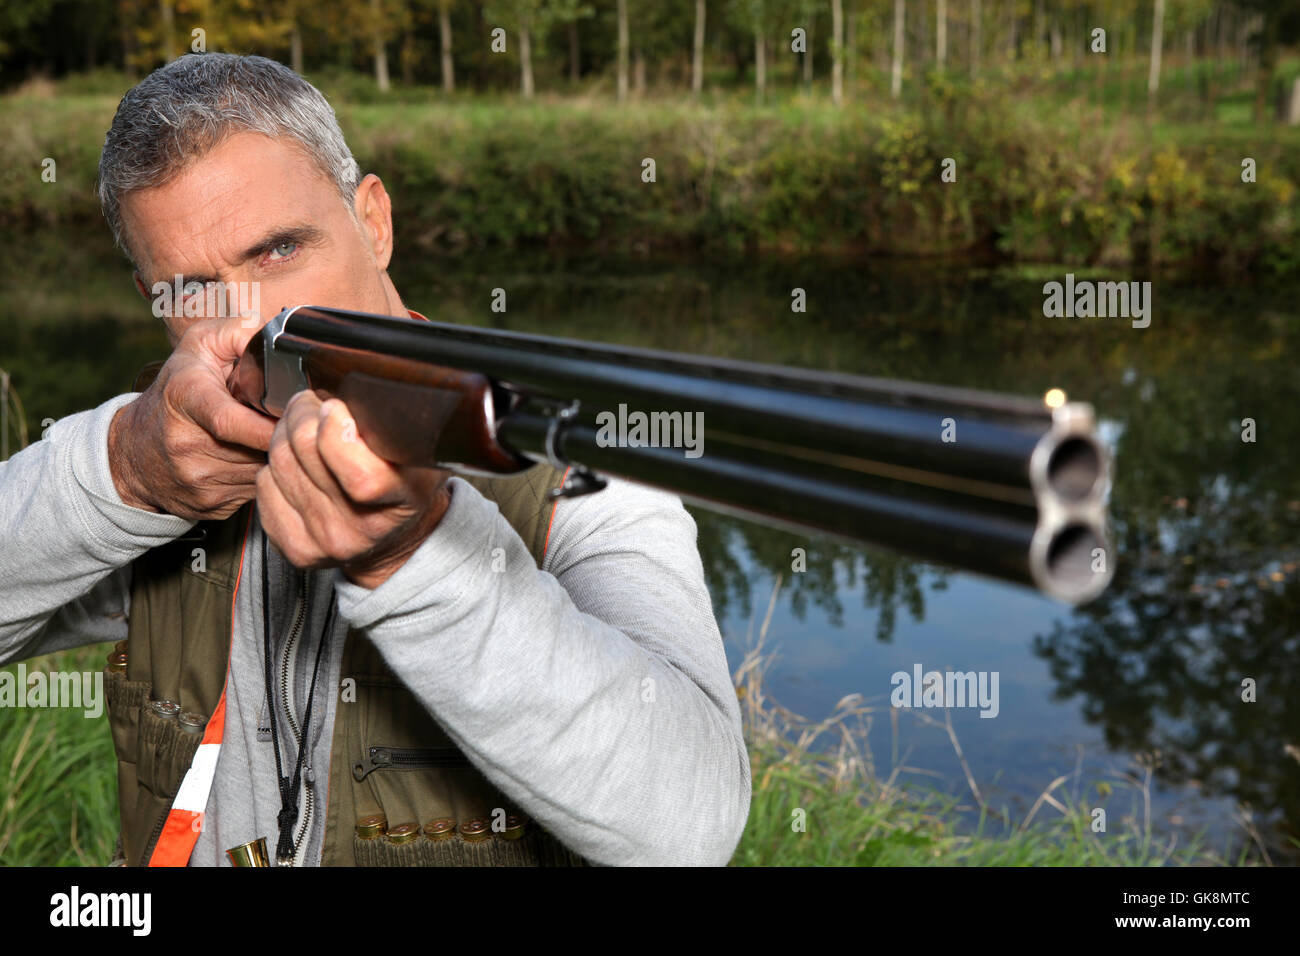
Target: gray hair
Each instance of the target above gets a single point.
(182, 110)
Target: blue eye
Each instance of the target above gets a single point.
(284, 249)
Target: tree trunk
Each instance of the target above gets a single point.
(622, 50)
(168, 29)
(976, 37)
(575, 53)
(381, 54)
(295, 48)
(896, 70)
(808, 58)
(638, 73)
(444, 40)
(697, 54)
(760, 62)
(526, 61)
(850, 53)
(1157, 47)
(941, 32)
(837, 52)
(1292, 115)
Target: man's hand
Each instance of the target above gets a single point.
(326, 500)
(185, 447)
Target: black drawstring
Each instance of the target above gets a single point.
(288, 815)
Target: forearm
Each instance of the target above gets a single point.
(602, 706)
(64, 532)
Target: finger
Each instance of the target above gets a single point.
(211, 407)
(364, 477)
(283, 525)
(321, 511)
(302, 423)
(241, 476)
(221, 342)
(335, 529)
(232, 454)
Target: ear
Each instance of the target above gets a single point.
(374, 212)
(140, 286)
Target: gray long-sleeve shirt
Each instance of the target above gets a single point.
(594, 692)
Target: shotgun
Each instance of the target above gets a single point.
(1008, 487)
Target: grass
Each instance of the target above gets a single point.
(820, 800)
(58, 801)
(58, 798)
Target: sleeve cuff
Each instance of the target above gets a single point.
(82, 443)
(437, 573)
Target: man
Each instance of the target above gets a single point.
(399, 652)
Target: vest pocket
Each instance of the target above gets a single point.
(165, 752)
(407, 758)
(535, 848)
(403, 765)
(125, 698)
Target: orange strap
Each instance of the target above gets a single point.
(185, 818)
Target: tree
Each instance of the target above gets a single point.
(697, 52)
(754, 16)
(444, 43)
(837, 52)
(377, 39)
(530, 20)
(975, 38)
(1157, 44)
(896, 70)
(167, 13)
(1277, 23)
(941, 32)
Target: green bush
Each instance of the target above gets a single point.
(1070, 185)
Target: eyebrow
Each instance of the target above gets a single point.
(303, 234)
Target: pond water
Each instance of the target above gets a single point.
(1207, 586)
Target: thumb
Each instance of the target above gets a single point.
(222, 341)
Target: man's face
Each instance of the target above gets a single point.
(256, 209)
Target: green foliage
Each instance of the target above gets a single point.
(1069, 185)
(58, 795)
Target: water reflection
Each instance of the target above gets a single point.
(1207, 525)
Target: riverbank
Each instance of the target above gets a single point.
(811, 806)
(973, 174)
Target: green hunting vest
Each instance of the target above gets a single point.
(388, 756)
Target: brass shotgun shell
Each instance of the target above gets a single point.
(472, 831)
(192, 723)
(443, 828)
(403, 834)
(252, 853)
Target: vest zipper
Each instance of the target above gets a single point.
(287, 661)
(408, 758)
